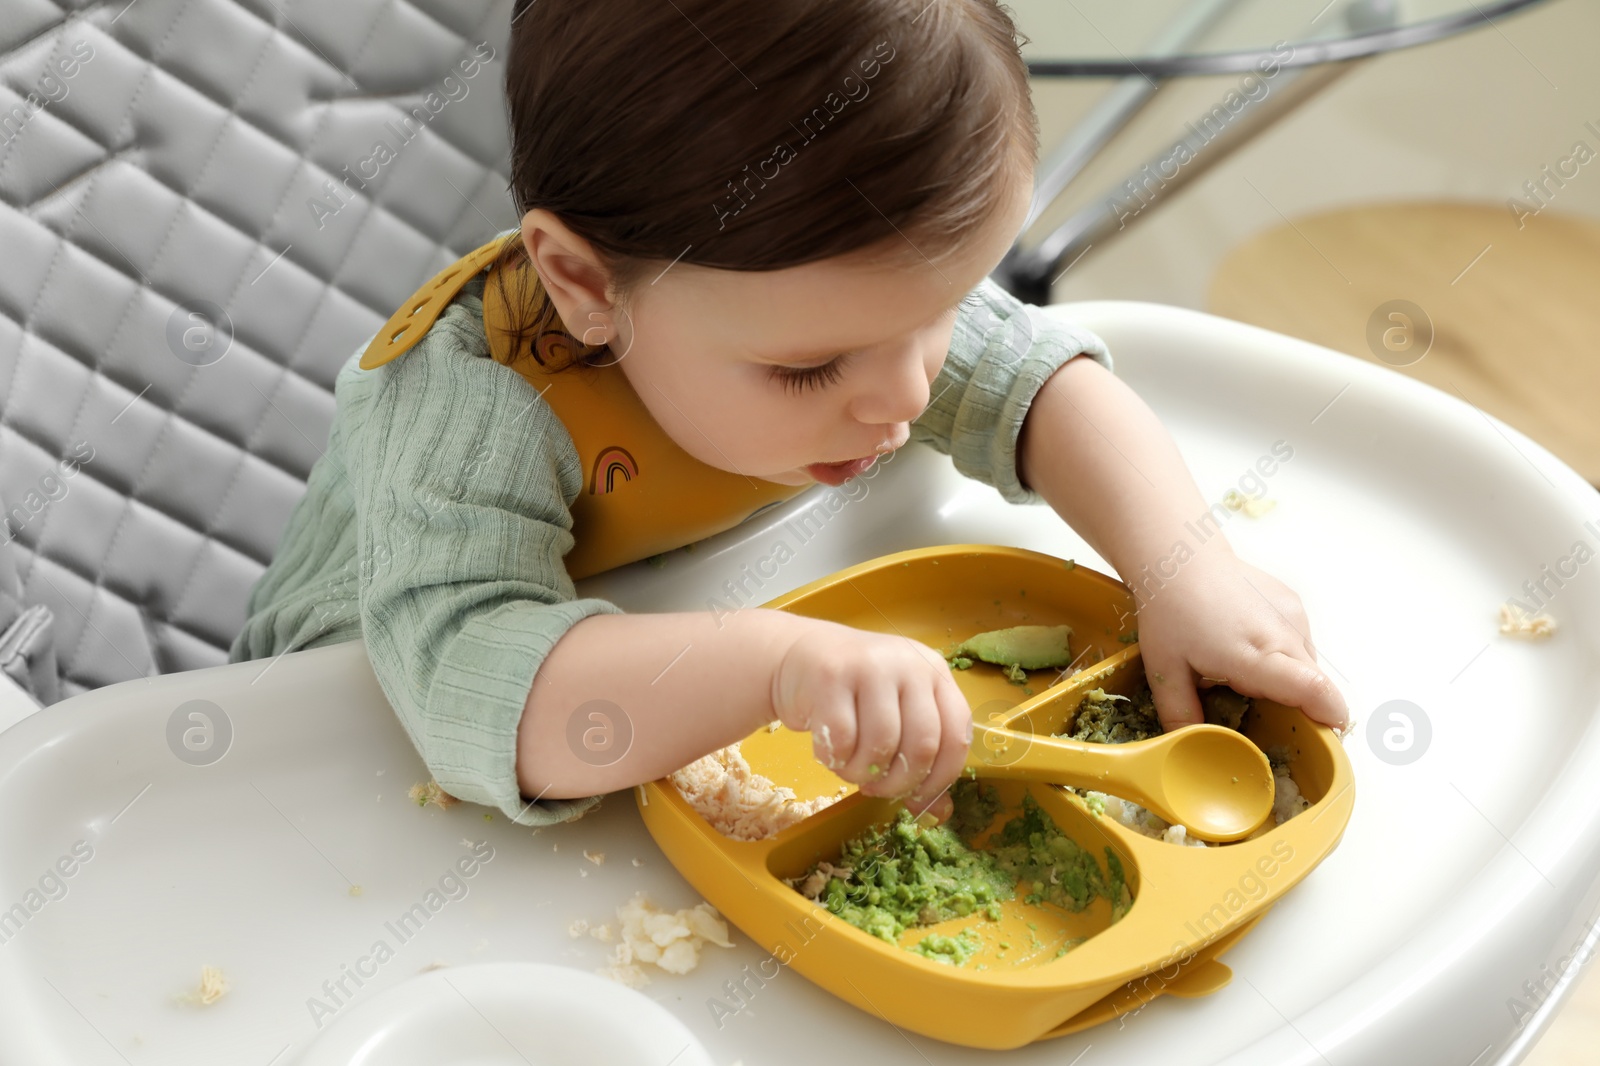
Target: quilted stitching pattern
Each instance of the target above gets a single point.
(178, 166)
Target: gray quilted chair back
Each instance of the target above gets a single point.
(206, 206)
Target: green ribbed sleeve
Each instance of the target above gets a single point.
(464, 477)
(1001, 353)
(434, 527)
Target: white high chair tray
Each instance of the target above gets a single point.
(1404, 518)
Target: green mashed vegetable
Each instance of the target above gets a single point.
(1106, 718)
(894, 877)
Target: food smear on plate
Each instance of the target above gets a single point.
(1107, 718)
(740, 803)
(903, 874)
(1016, 650)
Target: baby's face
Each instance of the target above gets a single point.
(743, 369)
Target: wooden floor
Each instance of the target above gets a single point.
(1515, 323)
(1514, 311)
(1573, 1039)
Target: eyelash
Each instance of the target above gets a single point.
(828, 373)
(811, 376)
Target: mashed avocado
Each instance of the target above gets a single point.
(1019, 647)
(893, 877)
(902, 875)
(1057, 870)
(955, 950)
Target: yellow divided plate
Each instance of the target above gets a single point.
(1189, 904)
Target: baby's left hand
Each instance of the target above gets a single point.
(1223, 619)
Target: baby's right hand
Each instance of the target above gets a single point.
(883, 711)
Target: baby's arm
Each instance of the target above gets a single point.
(653, 692)
(1101, 458)
(882, 710)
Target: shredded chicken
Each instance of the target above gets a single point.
(740, 803)
(817, 880)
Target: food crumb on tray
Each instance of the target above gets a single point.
(596, 857)
(1252, 506)
(213, 986)
(1516, 622)
(740, 803)
(425, 792)
(670, 940)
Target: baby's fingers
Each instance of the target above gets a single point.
(1280, 677)
(919, 744)
(877, 734)
(1172, 688)
(832, 724)
(955, 741)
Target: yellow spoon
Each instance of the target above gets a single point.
(1210, 779)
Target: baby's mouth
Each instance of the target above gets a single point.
(839, 473)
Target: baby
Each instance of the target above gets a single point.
(753, 257)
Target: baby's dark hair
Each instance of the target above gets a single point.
(762, 134)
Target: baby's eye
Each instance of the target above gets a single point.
(809, 377)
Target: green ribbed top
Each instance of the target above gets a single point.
(463, 591)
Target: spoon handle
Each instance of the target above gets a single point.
(1131, 772)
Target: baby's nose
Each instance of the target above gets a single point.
(894, 397)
